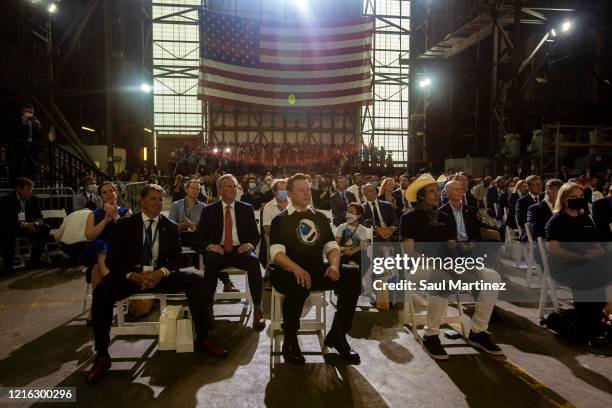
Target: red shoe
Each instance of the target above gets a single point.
(100, 367)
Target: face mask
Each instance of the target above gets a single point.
(28, 115)
(576, 203)
(282, 195)
(350, 217)
(92, 188)
(252, 186)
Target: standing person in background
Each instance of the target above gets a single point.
(87, 192)
(339, 201)
(28, 143)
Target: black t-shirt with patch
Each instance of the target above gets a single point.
(304, 234)
(417, 226)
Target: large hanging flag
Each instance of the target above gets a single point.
(276, 65)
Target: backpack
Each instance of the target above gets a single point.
(565, 324)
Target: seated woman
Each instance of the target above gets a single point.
(98, 229)
(578, 259)
(351, 236)
(385, 193)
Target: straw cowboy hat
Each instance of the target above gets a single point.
(422, 181)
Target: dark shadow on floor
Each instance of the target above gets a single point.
(528, 337)
(320, 385)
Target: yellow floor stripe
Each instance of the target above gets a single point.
(39, 304)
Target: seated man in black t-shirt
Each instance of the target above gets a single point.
(299, 237)
(431, 232)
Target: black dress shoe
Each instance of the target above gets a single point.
(100, 367)
(291, 351)
(342, 347)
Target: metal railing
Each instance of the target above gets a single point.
(51, 198)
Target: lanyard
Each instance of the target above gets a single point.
(188, 214)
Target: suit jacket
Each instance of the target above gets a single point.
(522, 205)
(469, 199)
(399, 201)
(387, 213)
(210, 228)
(563, 177)
(10, 208)
(537, 217)
(470, 219)
(602, 216)
(491, 198)
(337, 207)
(125, 251)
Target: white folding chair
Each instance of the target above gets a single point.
(52, 249)
(549, 287)
(531, 263)
(244, 295)
(316, 324)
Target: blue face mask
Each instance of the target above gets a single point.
(252, 186)
(282, 195)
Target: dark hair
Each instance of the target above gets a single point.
(357, 206)
(90, 205)
(22, 182)
(420, 194)
(107, 183)
(149, 187)
(85, 179)
(291, 180)
(27, 106)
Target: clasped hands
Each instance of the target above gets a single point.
(219, 249)
(384, 232)
(147, 279)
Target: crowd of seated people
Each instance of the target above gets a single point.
(214, 214)
(245, 157)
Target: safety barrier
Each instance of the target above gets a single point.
(51, 198)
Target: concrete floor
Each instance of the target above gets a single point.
(44, 342)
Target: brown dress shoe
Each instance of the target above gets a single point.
(210, 348)
(100, 367)
(229, 287)
(259, 321)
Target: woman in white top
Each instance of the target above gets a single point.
(352, 236)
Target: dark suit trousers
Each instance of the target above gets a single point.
(37, 240)
(116, 287)
(348, 288)
(213, 263)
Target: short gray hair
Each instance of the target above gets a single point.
(275, 182)
(224, 177)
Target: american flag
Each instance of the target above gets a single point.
(276, 65)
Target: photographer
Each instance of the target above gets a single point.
(28, 140)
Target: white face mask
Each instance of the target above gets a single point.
(350, 217)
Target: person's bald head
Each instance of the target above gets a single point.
(454, 191)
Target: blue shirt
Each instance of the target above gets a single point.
(179, 211)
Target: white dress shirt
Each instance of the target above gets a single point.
(271, 210)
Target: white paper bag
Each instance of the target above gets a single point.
(184, 332)
(167, 328)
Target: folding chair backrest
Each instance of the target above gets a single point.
(54, 214)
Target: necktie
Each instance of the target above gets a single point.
(376, 215)
(147, 257)
(344, 204)
(228, 243)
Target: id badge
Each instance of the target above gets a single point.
(147, 268)
(21, 216)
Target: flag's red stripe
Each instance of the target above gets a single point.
(285, 95)
(319, 24)
(314, 53)
(315, 38)
(309, 67)
(286, 81)
(264, 106)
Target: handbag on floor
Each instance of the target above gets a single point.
(184, 331)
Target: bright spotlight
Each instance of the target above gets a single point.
(566, 26)
(215, 150)
(227, 150)
(553, 32)
(146, 88)
(425, 82)
(148, 130)
(52, 8)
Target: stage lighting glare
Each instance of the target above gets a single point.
(215, 150)
(146, 88)
(566, 26)
(553, 32)
(87, 129)
(227, 150)
(425, 82)
(148, 130)
(52, 8)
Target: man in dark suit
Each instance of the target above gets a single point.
(20, 216)
(533, 196)
(144, 255)
(380, 215)
(340, 200)
(539, 214)
(463, 218)
(468, 198)
(400, 193)
(227, 236)
(602, 215)
(563, 174)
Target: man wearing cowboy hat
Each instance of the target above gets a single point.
(430, 232)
